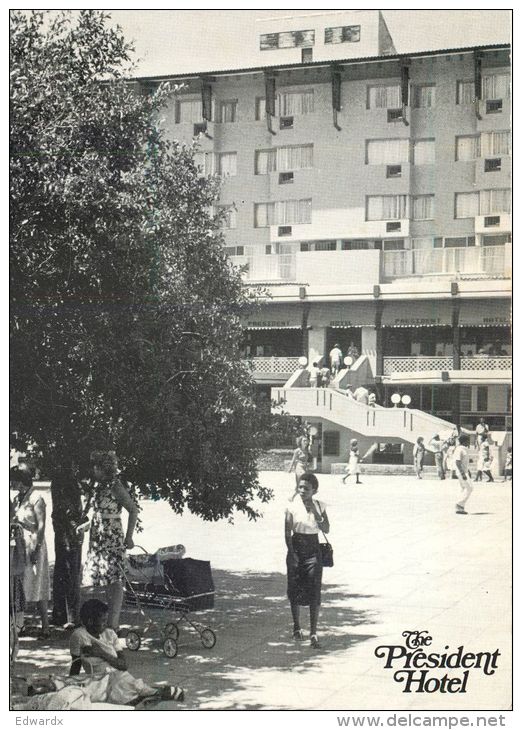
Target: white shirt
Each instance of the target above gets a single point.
(461, 454)
(304, 522)
(108, 640)
(335, 355)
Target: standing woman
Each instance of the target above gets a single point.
(301, 459)
(107, 543)
(29, 511)
(304, 517)
(354, 457)
(418, 456)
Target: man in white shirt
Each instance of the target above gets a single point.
(461, 461)
(436, 445)
(482, 428)
(336, 357)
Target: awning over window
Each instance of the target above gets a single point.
(275, 317)
(485, 313)
(417, 313)
(341, 315)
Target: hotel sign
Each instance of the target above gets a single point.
(270, 324)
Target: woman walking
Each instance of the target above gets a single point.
(301, 459)
(107, 543)
(418, 457)
(483, 460)
(304, 517)
(29, 511)
(354, 458)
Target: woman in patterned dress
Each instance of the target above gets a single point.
(29, 510)
(107, 543)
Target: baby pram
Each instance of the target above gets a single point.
(176, 585)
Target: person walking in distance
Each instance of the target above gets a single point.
(482, 429)
(336, 358)
(461, 459)
(418, 456)
(315, 375)
(508, 469)
(354, 457)
(301, 459)
(436, 446)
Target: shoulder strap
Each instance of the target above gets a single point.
(320, 512)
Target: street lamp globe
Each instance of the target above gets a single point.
(303, 361)
(406, 400)
(348, 361)
(395, 399)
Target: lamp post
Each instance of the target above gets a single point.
(395, 399)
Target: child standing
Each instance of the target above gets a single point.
(354, 458)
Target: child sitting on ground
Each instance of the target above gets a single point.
(96, 648)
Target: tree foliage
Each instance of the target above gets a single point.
(125, 315)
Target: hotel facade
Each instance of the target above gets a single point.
(369, 194)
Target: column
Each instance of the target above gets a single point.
(369, 346)
(317, 345)
(455, 321)
(379, 355)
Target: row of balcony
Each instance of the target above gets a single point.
(410, 364)
(483, 261)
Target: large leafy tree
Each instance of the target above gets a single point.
(125, 316)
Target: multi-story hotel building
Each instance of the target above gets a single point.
(369, 193)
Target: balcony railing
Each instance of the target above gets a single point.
(273, 267)
(286, 365)
(416, 364)
(478, 260)
(486, 362)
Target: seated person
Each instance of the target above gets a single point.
(96, 648)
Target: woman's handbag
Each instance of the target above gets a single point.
(326, 553)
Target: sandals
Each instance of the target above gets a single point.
(172, 693)
(298, 635)
(314, 642)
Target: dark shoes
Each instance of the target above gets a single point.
(314, 642)
(459, 509)
(298, 634)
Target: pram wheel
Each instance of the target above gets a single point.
(208, 638)
(133, 641)
(171, 629)
(170, 647)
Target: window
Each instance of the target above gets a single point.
(423, 207)
(423, 96)
(494, 106)
(228, 111)
(424, 152)
(260, 108)
(343, 34)
(465, 92)
(495, 201)
(393, 244)
(387, 151)
(467, 147)
(393, 170)
(283, 159)
(494, 164)
(496, 86)
(296, 103)
(286, 122)
(495, 143)
(465, 398)
(466, 205)
(386, 207)
(229, 219)
(395, 115)
(361, 244)
(234, 250)
(498, 240)
(285, 212)
(307, 55)
(189, 111)
(456, 241)
(289, 39)
(384, 97)
(206, 161)
(325, 245)
(227, 164)
(331, 443)
(285, 178)
(482, 398)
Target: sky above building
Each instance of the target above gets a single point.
(182, 41)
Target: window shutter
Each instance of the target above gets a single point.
(206, 100)
(270, 93)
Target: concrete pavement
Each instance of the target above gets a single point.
(404, 561)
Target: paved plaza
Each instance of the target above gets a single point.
(404, 561)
